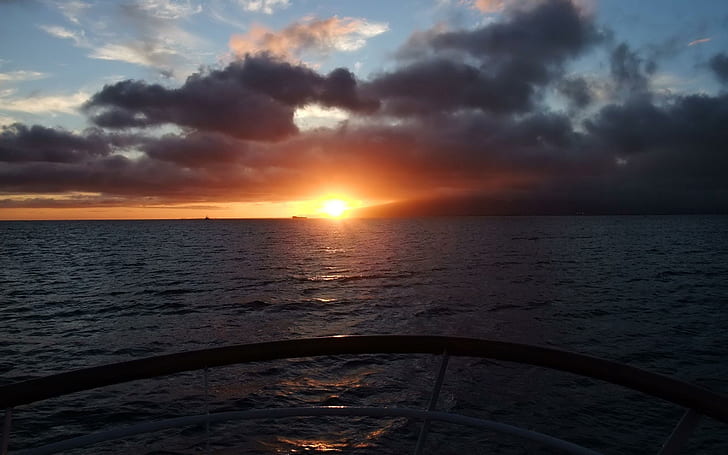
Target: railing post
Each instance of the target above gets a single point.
(7, 422)
(207, 412)
(433, 402)
(681, 433)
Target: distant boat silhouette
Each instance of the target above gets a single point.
(299, 217)
(207, 218)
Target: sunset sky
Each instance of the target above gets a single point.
(271, 108)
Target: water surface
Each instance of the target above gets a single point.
(648, 291)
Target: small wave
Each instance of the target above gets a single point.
(77, 312)
(255, 304)
(116, 293)
(176, 291)
(504, 263)
(346, 277)
(436, 311)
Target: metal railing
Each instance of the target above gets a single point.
(698, 401)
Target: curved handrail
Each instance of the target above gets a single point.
(690, 396)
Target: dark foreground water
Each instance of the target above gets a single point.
(648, 291)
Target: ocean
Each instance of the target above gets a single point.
(649, 291)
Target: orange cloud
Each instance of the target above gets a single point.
(488, 6)
(320, 36)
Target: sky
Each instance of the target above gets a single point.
(274, 108)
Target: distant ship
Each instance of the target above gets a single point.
(299, 217)
(207, 218)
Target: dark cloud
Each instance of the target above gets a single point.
(691, 123)
(512, 60)
(719, 64)
(121, 176)
(632, 158)
(448, 152)
(443, 85)
(673, 156)
(630, 128)
(205, 104)
(549, 33)
(36, 159)
(109, 175)
(196, 150)
(595, 197)
(630, 72)
(295, 85)
(252, 99)
(20, 143)
(576, 90)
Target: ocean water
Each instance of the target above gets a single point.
(648, 291)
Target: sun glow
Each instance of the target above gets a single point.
(334, 208)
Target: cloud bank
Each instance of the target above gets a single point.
(254, 99)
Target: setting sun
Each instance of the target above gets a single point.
(334, 208)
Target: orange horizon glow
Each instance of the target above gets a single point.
(332, 206)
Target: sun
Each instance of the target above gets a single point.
(334, 208)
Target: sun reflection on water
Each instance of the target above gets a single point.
(311, 445)
(340, 444)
